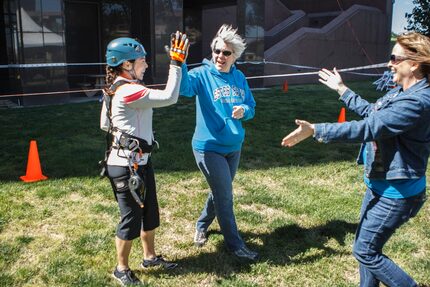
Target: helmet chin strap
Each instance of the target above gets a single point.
(132, 72)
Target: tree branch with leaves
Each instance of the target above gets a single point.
(418, 19)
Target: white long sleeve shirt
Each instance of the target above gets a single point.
(131, 112)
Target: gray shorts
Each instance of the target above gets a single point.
(133, 218)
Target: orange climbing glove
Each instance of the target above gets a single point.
(179, 45)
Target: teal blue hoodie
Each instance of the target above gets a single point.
(217, 93)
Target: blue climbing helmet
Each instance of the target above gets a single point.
(123, 49)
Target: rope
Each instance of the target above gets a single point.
(347, 70)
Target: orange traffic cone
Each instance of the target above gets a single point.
(34, 171)
(342, 117)
(285, 86)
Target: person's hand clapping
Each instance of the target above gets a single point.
(304, 131)
(333, 80)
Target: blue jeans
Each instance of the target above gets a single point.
(379, 219)
(219, 170)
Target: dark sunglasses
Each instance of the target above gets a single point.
(225, 52)
(397, 59)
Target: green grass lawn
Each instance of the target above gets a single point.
(298, 207)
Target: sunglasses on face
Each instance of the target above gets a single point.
(397, 59)
(225, 52)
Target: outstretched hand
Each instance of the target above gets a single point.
(304, 131)
(333, 80)
(179, 45)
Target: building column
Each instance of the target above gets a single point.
(250, 22)
(166, 19)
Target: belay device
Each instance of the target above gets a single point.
(137, 189)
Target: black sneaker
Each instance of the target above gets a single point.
(245, 253)
(159, 260)
(126, 277)
(200, 238)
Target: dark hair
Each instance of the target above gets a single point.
(111, 74)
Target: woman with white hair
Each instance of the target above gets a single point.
(223, 101)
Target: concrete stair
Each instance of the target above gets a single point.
(7, 104)
(333, 45)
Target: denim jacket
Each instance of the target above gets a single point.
(395, 131)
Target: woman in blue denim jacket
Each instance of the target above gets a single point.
(395, 133)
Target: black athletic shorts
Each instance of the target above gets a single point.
(133, 217)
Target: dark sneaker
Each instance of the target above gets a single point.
(159, 260)
(245, 253)
(200, 238)
(126, 277)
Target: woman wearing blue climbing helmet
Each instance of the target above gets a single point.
(126, 55)
(127, 117)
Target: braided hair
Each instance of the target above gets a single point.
(111, 74)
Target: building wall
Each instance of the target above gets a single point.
(4, 33)
(214, 17)
(41, 39)
(46, 32)
(339, 44)
(276, 12)
(251, 16)
(318, 6)
(166, 19)
(246, 15)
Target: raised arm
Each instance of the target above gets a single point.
(160, 98)
(189, 83)
(353, 101)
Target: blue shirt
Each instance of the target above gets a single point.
(398, 127)
(216, 94)
(395, 188)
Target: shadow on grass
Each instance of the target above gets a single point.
(285, 245)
